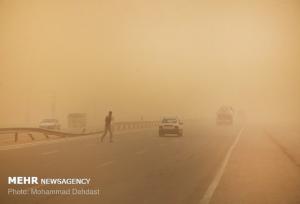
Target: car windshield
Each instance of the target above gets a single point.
(169, 120)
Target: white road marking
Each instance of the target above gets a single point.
(105, 164)
(44, 142)
(50, 152)
(214, 184)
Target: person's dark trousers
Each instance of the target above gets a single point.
(107, 129)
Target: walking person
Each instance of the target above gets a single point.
(108, 127)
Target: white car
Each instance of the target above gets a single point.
(52, 124)
(170, 125)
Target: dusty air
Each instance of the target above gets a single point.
(149, 102)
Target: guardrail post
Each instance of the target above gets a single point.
(47, 136)
(30, 135)
(16, 136)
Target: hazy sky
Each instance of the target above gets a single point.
(148, 58)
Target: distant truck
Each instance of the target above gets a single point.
(225, 116)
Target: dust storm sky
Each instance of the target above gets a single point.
(148, 58)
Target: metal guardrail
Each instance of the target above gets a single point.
(118, 126)
(134, 125)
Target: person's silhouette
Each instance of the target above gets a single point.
(107, 128)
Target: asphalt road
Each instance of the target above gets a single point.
(209, 164)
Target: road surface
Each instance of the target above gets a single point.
(209, 164)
